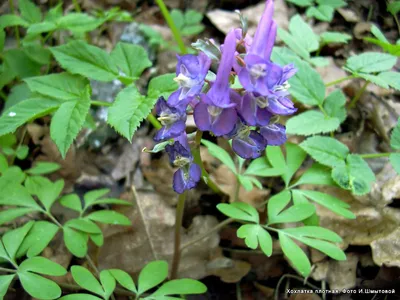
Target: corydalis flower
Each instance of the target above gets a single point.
(172, 119)
(247, 143)
(215, 112)
(188, 174)
(274, 134)
(191, 71)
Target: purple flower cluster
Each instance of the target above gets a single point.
(246, 115)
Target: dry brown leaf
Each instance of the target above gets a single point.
(386, 250)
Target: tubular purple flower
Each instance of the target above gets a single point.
(247, 143)
(172, 119)
(262, 36)
(188, 174)
(191, 71)
(215, 112)
(274, 134)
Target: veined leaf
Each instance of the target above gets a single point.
(12, 20)
(303, 34)
(391, 78)
(78, 22)
(75, 241)
(395, 161)
(29, 11)
(334, 105)
(316, 174)
(370, 62)
(311, 122)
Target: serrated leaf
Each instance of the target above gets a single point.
(78, 22)
(38, 238)
(374, 79)
(328, 37)
(255, 235)
(295, 254)
(128, 110)
(395, 161)
(311, 122)
(43, 266)
(151, 275)
(29, 11)
(370, 62)
(180, 287)
(337, 206)
(80, 58)
(220, 154)
(19, 93)
(43, 167)
(12, 20)
(391, 78)
(62, 86)
(75, 241)
(321, 12)
(124, 279)
(325, 150)
(294, 44)
(20, 64)
(25, 111)
(306, 85)
(68, 121)
(313, 232)
(86, 280)
(355, 175)
(38, 286)
(303, 34)
(239, 210)
(162, 85)
(334, 105)
(13, 239)
(109, 217)
(131, 59)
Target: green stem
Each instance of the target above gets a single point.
(100, 103)
(323, 110)
(11, 3)
(126, 80)
(212, 230)
(8, 270)
(359, 94)
(76, 5)
(52, 218)
(374, 155)
(180, 208)
(175, 31)
(339, 80)
(153, 120)
(238, 291)
(237, 189)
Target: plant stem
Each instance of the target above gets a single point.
(238, 291)
(212, 230)
(178, 225)
(175, 31)
(8, 270)
(359, 94)
(339, 80)
(11, 3)
(76, 5)
(153, 120)
(237, 189)
(100, 103)
(323, 110)
(374, 155)
(93, 266)
(276, 296)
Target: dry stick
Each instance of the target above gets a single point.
(178, 224)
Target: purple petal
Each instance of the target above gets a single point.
(261, 37)
(179, 183)
(183, 182)
(195, 173)
(202, 117)
(161, 105)
(173, 100)
(274, 75)
(275, 134)
(281, 106)
(271, 40)
(248, 109)
(172, 131)
(250, 146)
(225, 122)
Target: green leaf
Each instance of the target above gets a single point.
(321, 12)
(46, 190)
(111, 201)
(72, 201)
(13, 176)
(303, 34)
(193, 17)
(13, 239)
(221, 154)
(131, 59)
(240, 211)
(5, 281)
(2, 39)
(129, 109)
(80, 58)
(68, 121)
(78, 22)
(391, 78)
(317, 174)
(75, 241)
(295, 254)
(329, 249)
(15, 194)
(311, 122)
(325, 150)
(178, 18)
(334, 105)
(20, 63)
(354, 175)
(328, 37)
(80, 297)
(189, 30)
(370, 62)
(180, 287)
(124, 279)
(261, 167)
(44, 167)
(277, 203)
(395, 161)
(85, 279)
(275, 157)
(294, 157)
(294, 213)
(246, 182)
(94, 195)
(108, 283)
(25, 111)
(162, 85)
(37, 53)
(38, 238)
(29, 11)
(11, 214)
(83, 225)
(19, 93)
(294, 44)
(3, 163)
(22, 152)
(109, 217)
(38, 286)
(43, 266)
(337, 206)
(313, 232)
(332, 3)
(306, 85)
(319, 61)
(97, 239)
(42, 27)
(12, 20)
(255, 235)
(374, 79)
(302, 3)
(62, 86)
(151, 275)
(393, 7)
